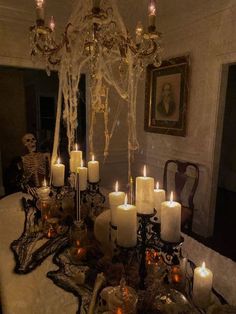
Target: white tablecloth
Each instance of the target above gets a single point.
(33, 293)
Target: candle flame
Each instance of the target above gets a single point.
(157, 185)
(78, 243)
(52, 24)
(119, 311)
(58, 160)
(171, 197)
(139, 29)
(152, 7)
(203, 270)
(82, 163)
(76, 146)
(44, 183)
(93, 158)
(39, 3)
(117, 186)
(144, 170)
(126, 200)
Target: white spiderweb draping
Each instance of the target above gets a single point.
(94, 48)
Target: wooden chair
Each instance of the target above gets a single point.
(180, 180)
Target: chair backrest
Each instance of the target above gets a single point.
(181, 178)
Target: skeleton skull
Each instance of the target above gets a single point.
(29, 142)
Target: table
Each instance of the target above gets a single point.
(33, 293)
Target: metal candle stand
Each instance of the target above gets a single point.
(149, 238)
(93, 198)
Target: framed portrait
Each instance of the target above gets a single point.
(166, 97)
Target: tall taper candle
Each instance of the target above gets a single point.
(145, 193)
(126, 225)
(202, 285)
(83, 176)
(170, 221)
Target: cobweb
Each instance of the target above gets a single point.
(108, 66)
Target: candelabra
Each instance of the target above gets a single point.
(148, 236)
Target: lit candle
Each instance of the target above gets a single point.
(93, 170)
(43, 192)
(52, 24)
(115, 199)
(83, 176)
(159, 197)
(170, 220)
(145, 193)
(58, 174)
(202, 285)
(139, 32)
(75, 158)
(126, 225)
(39, 10)
(152, 14)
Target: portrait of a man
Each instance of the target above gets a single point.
(167, 105)
(166, 97)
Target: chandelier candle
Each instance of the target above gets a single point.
(152, 14)
(115, 199)
(93, 171)
(83, 176)
(202, 285)
(170, 220)
(126, 225)
(75, 158)
(39, 10)
(145, 193)
(58, 174)
(159, 197)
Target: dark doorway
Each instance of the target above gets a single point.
(225, 218)
(28, 101)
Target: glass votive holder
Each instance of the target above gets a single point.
(78, 241)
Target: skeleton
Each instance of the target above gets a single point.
(35, 164)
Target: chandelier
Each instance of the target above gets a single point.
(96, 42)
(103, 32)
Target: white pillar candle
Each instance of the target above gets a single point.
(43, 192)
(202, 285)
(170, 220)
(75, 159)
(115, 199)
(159, 197)
(126, 225)
(93, 170)
(145, 194)
(58, 174)
(83, 177)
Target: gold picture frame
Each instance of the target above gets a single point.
(166, 97)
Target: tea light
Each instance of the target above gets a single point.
(75, 158)
(115, 199)
(93, 170)
(159, 197)
(145, 193)
(58, 174)
(83, 176)
(126, 225)
(202, 285)
(170, 220)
